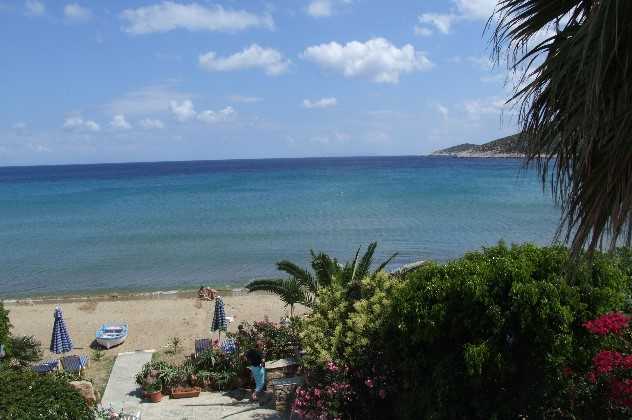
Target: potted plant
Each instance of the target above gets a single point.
(153, 391)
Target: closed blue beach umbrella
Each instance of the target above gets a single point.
(60, 341)
(219, 316)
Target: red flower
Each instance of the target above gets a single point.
(382, 394)
(369, 383)
(612, 322)
(567, 372)
(605, 361)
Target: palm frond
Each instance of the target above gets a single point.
(385, 263)
(365, 262)
(575, 108)
(303, 276)
(325, 268)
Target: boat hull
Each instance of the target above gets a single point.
(110, 342)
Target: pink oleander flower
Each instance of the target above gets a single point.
(612, 322)
(382, 394)
(369, 383)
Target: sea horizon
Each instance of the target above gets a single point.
(147, 226)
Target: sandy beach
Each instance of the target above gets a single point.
(152, 320)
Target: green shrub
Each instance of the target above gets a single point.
(21, 350)
(486, 336)
(26, 395)
(275, 341)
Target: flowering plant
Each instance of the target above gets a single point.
(607, 385)
(335, 391)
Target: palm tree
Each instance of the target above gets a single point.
(302, 286)
(290, 291)
(575, 101)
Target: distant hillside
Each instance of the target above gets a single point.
(505, 147)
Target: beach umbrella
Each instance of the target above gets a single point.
(219, 316)
(60, 341)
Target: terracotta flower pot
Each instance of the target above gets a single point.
(154, 397)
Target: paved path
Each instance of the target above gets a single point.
(209, 405)
(121, 391)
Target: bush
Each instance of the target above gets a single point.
(346, 374)
(275, 341)
(26, 395)
(20, 351)
(486, 336)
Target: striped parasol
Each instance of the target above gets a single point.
(219, 316)
(60, 341)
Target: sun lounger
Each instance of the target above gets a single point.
(74, 364)
(201, 345)
(46, 367)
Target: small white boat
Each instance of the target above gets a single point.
(110, 335)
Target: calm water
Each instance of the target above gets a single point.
(156, 226)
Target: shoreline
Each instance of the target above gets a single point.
(114, 295)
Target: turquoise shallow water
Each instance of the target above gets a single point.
(150, 226)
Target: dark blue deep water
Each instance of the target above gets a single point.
(167, 225)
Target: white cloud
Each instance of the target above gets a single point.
(442, 22)
(183, 111)
(319, 8)
(168, 16)
(145, 101)
(34, 8)
(151, 124)
(320, 103)
(476, 9)
(267, 59)
(443, 111)
(79, 124)
(462, 10)
(422, 31)
(120, 123)
(214, 117)
(325, 8)
(77, 13)
(477, 108)
(377, 59)
(245, 99)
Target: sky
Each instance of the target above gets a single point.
(125, 81)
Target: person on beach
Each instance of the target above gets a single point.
(253, 357)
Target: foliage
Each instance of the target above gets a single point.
(26, 395)
(221, 368)
(174, 343)
(5, 325)
(343, 354)
(274, 341)
(303, 286)
(290, 291)
(499, 324)
(21, 350)
(97, 354)
(604, 389)
(574, 59)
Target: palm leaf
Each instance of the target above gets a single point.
(301, 275)
(385, 263)
(324, 267)
(365, 262)
(575, 108)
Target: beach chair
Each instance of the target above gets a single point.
(229, 346)
(46, 367)
(201, 345)
(75, 364)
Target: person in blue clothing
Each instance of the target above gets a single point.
(258, 372)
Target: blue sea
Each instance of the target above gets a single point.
(176, 225)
